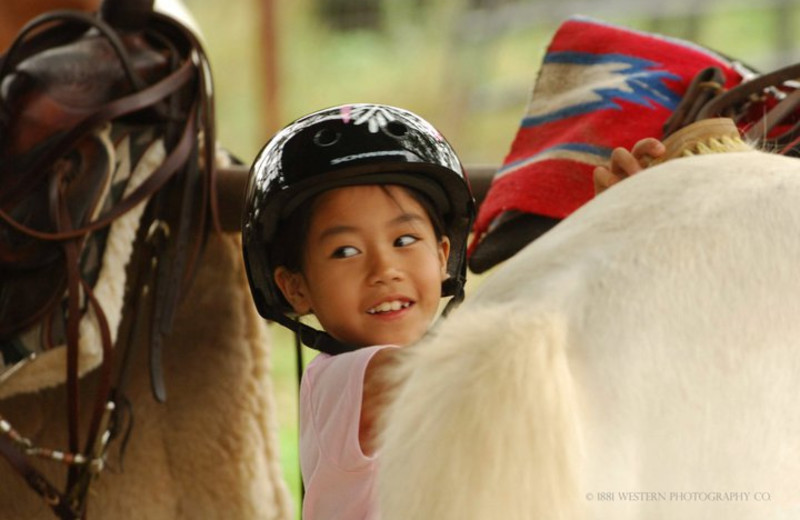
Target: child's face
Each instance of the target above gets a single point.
(373, 268)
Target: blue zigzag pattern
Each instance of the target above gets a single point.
(645, 85)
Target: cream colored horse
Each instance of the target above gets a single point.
(639, 361)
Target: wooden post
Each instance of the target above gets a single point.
(784, 36)
(270, 66)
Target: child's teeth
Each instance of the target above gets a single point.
(390, 306)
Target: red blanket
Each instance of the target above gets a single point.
(600, 86)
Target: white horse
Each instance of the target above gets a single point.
(639, 361)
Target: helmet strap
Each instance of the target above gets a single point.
(455, 301)
(311, 337)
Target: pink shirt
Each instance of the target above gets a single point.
(339, 478)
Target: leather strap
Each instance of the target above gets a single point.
(786, 107)
(51, 495)
(720, 105)
(169, 281)
(71, 253)
(708, 83)
(764, 106)
(103, 389)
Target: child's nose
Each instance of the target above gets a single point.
(384, 268)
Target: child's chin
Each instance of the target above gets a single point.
(395, 334)
(397, 340)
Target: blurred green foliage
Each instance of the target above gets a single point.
(427, 57)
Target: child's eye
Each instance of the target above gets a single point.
(345, 252)
(405, 240)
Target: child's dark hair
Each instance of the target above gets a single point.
(287, 248)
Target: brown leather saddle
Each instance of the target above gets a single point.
(72, 86)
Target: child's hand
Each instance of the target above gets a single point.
(624, 163)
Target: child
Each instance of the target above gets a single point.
(358, 215)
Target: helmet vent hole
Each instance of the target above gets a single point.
(396, 129)
(326, 137)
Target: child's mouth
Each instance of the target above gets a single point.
(390, 306)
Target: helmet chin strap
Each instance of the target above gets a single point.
(311, 337)
(454, 302)
(454, 286)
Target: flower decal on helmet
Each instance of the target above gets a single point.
(377, 118)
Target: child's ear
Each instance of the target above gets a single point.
(444, 254)
(293, 288)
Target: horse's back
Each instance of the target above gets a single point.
(677, 298)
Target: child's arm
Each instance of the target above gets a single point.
(375, 397)
(624, 163)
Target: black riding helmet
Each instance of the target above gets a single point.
(345, 146)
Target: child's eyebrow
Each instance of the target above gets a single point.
(336, 230)
(407, 217)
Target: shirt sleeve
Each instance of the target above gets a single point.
(330, 410)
